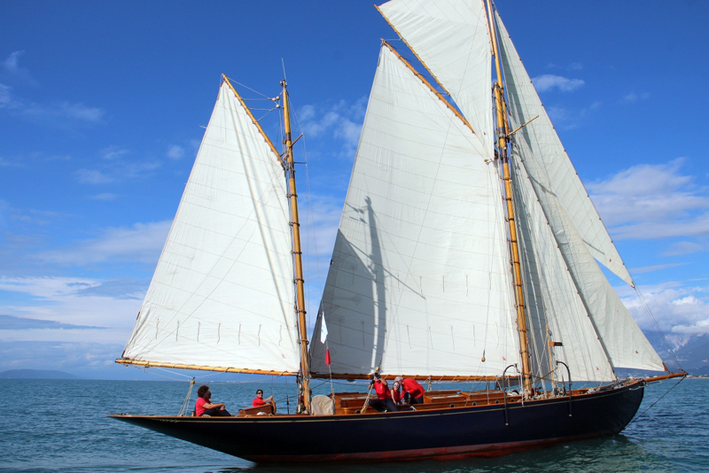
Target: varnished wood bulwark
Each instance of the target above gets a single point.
(348, 403)
(266, 409)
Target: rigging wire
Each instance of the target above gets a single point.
(658, 400)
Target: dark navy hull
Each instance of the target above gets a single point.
(441, 433)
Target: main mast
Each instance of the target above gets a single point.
(289, 164)
(502, 134)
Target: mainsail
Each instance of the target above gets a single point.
(222, 294)
(419, 281)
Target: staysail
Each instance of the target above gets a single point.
(568, 297)
(419, 282)
(550, 155)
(222, 295)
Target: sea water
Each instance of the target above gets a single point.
(61, 426)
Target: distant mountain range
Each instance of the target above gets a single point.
(35, 374)
(691, 354)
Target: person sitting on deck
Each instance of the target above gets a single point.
(413, 391)
(260, 401)
(204, 408)
(384, 401)
(396, 392)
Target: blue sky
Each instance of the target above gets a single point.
(103, 104)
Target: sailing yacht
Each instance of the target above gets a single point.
(468, 250)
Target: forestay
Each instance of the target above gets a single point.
(222, 294)
(419, 282)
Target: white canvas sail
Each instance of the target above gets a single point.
(419, 282)
(545, 178)
(540, 136)
(554, 309)
(452, 38)
(222, 294)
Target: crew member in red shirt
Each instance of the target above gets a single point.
(260, 401)
(205, 408)
(384, 400)
(396, 392)
(413, 391)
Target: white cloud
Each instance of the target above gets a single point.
(64, 300)
(682, 311)
(78, 111)
(60, 111)
(11, 70)
(656, 201)
(140, 243)
(10, 64)
(685, 247)
(91, 176)
(175, 152)
(57, 113)
(104, 196)
(547, 82)
(113, 152)
(114, 166)
(633, 97)
(5, 96)
(341, 121)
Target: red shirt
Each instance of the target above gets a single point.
(382, 390)
(412, 387)
(258, 402)
(199, 406)
(397, 395)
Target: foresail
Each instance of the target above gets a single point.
(222, 293)
(546, 149)
(452, 38)
(567, 294)
(554, 309)
(419, 282)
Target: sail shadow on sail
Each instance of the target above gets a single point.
(465, 252)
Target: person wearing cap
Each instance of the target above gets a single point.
(384, 401)
(413, 391)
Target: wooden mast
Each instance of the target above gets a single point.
(503, 133)
(297, 253)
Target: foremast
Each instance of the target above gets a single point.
(502, 154)
(289, 165)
